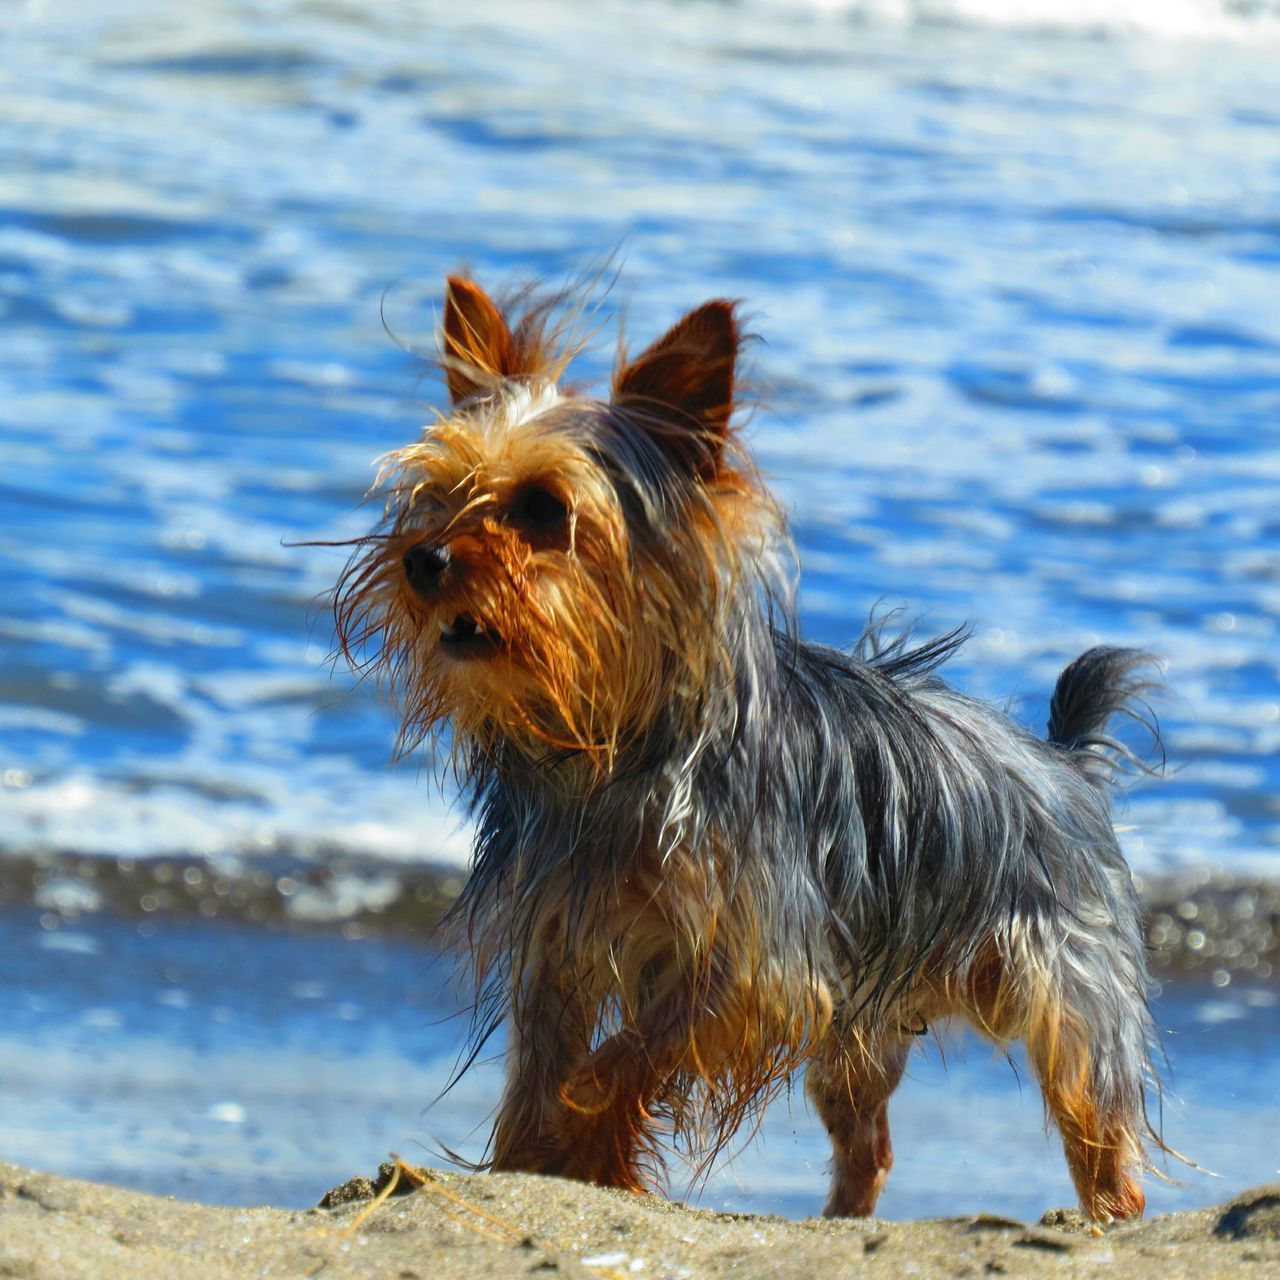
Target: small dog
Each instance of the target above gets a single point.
(708, 851)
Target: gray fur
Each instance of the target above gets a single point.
(883, 822)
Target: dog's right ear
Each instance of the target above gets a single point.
(478, 346)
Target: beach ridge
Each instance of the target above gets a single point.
(467, 1226)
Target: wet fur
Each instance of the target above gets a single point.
(709, 852)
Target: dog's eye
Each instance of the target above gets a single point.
(538, 509)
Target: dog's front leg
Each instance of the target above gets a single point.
(551, 1022)
(608, 1101)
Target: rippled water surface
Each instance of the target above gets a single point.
(1021, 361)
(1017, 277)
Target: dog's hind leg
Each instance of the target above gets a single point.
(1099, 1136)
(850, 1079)
(1085, 1025)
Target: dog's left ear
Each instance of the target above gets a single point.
(681, 387)
(477, 340)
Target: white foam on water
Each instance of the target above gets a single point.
(81, 812)
(1176, 19)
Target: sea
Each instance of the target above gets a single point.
(1014, 270)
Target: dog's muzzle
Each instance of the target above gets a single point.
(424, 565)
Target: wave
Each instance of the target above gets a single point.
(301, 814)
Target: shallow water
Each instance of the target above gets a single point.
(1021, 361)
(235, 1067)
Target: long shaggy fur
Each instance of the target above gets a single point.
(709, 851)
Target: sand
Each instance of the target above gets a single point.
(489, 1227)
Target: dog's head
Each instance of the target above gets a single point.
(554, 570)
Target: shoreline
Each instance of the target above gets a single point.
(1201, 925)
(492, 1226)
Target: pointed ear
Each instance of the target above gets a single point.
(476, 339)
(683, 384)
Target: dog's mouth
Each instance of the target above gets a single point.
(464, 637)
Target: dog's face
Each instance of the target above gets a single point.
(552, 568)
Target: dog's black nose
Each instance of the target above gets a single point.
(423, 565)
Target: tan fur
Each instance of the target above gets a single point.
(582, 683)
(702, 1033)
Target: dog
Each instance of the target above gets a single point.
(710, 853)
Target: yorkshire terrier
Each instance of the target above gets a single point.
(709, 852)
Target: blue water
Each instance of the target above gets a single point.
(1016, 271)
(1021, 358)
(221, 1064)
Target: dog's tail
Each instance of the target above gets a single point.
(1100, 684)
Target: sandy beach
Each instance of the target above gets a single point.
(460, 1227)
